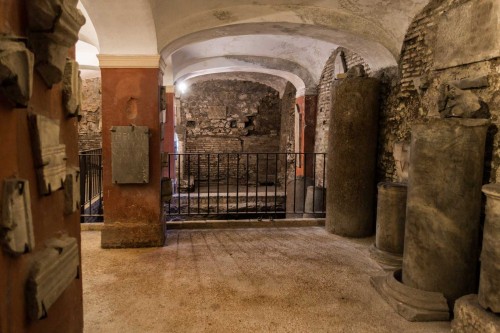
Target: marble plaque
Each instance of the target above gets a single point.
(130, 154)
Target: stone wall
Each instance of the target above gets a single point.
(224, 116)
(90, 124)
(440, 47)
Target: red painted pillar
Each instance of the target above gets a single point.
(132, 214)
(307, 107)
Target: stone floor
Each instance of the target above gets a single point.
(238, 280)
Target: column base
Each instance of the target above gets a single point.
(132, 235)
(412, 304)
(388, 261)
(470, 317)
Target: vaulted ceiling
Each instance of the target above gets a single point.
(288, 39)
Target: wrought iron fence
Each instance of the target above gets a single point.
(250, 185)
(91, 209)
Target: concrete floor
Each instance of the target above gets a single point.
(238, 280)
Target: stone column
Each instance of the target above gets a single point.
(444, 206)
(314, 206)
(489, 282)
(296, 196)
(391, 216)
(352, 150)
(131, 96)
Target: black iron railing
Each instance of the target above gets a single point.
(223, 185)
(91, 186)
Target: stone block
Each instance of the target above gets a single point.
(217, 112)
(16, 71)
(314, 206)
(72, 191)
(468, 33)
(470, 317)
(16, 224)
(72, 89)
(48, 154)
(53, 29)
(51, 273)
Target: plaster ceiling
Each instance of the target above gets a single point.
(288, 38)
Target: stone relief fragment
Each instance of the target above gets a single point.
(16, 226)
(16, 71)
(52, 271)
(455, 102)
(401, 155)
(72, 88)
(48, 154)
(53, 29)
(72, 191)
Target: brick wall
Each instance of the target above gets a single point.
(415, 98)
(228, 116)
(89, 126)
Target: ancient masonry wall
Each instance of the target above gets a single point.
(421, 78)
(229, 116)
(90, 124)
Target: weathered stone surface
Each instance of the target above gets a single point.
(54, 27)
(401, 155)
(443, 206)
(49, 155)
(72, 88)
(468, 33)
(412, 304)
(455, 102)
(126, 234)
(90, 119)
(72, 191)
(53, 270)
(163, 98)
(16, 71)
(356, 71)
(489, 282)
(130, 154)
(16, 225)
(352, 151)
(391, 216)
(472, 83)
(314, 206)
(470, 317)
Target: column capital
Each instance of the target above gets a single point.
(130, 61)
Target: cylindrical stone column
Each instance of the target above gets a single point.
(489, 281)
(444, 206)
(314, 206)
(296, 195)
(391, 216)
(352, 150)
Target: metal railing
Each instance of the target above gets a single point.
(249, 185)
(91, 209)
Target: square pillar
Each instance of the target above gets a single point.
(130, 96)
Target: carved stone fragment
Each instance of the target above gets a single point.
(401, 155)
(72, 191)
(72, 92)
(455, 102)
(16, 227)
(53, 270)
(16, 71)
(49, 154)
(54, 27)
(356, 71)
